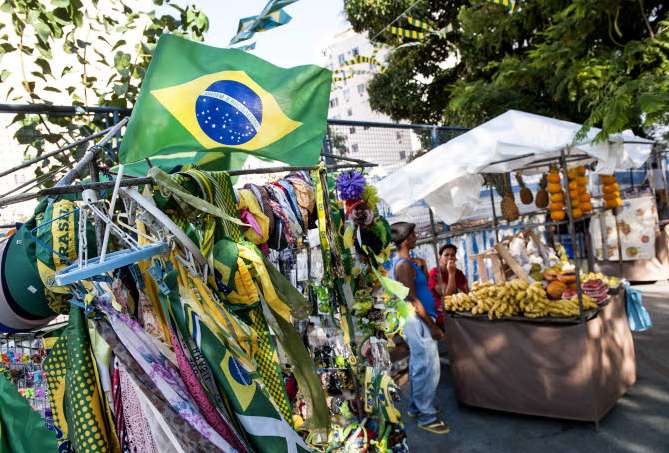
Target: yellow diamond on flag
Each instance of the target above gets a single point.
(242, 384)
(227, 109)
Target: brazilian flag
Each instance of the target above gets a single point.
(212, 107)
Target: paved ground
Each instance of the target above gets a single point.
(639, 423)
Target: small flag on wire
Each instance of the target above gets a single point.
(420, 24)
(406, 33)
(272, 16)
(508, 4)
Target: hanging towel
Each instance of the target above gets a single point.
(637, 315)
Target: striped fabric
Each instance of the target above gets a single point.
(420, 23)
(406, 33)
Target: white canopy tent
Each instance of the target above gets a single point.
(449, 177)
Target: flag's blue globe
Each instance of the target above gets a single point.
(238, 372)
(229, 112)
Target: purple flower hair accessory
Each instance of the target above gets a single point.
(350, 185)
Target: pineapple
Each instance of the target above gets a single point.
(509, 208)
(541, 200)
(525, 193)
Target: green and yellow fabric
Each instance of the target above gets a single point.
(56, 247)
(243, 280)
(193, 309)
(79, 408)
(22, 430)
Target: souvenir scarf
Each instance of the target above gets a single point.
(265, 428)
(165, 378)
(179, 434)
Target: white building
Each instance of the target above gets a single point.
(349, 101)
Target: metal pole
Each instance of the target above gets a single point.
(90, 154)
(53, 153)
(78, 188)
(620, 243)
(435, 249)
(572, 234)
(494, 212)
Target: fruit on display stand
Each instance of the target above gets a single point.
(596, 289)
(516, 298)
(578, 192)
(541, 200)
(502, 183)
(556, 205)
(612, 282)
(525, 193)
(509, 209)
(611, 191)
(555, 289)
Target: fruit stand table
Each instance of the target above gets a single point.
(573, 371)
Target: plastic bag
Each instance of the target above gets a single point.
(637, 315)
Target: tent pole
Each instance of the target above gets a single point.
(620, 243)
(494, 213)
(572, 234)
(440, 280)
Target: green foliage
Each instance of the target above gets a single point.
(603, 63)
(107, 47)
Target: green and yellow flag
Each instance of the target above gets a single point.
(211, 107)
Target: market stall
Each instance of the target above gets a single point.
(541, 333)
(188, 328)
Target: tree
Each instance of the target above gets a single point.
(603, 63)
(80, 52)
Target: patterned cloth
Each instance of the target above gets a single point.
(306, 199)
(164, 376)
(175, 433)
(137, 428)
(200, 396)
(74, 394)
(268, 364)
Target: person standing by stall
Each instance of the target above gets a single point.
(420, 332)
(453, 280)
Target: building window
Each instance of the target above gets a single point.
(354, 148)
(355, 52)
(403, 155)
(347, 94)
(351, 130)
(361, 89)
(349, 112)
(398, 135)
(341, 58)
(334, 102)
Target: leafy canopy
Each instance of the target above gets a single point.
(604, 63)
(80, 52)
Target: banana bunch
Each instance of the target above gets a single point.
(499, 300)
(536, 303)
(458, 302)
(568, 308)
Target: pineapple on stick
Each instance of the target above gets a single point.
(502, 183)
(525, 193)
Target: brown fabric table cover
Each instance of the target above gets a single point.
(570, 371)
(642, 270)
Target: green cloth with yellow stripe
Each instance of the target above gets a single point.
(243, 280)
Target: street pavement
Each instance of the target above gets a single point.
(639, 423)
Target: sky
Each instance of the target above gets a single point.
(313, 26)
